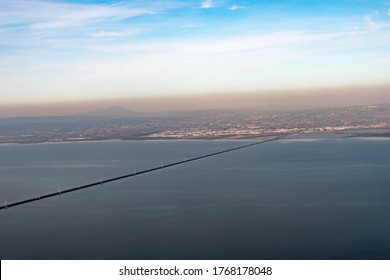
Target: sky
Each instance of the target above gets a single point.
(87, 50)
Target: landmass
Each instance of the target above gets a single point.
(120, 123)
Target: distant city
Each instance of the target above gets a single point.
(120, 123)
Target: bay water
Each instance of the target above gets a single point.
(309, 197)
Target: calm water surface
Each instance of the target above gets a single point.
(304, 198)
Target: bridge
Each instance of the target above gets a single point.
(101, 182)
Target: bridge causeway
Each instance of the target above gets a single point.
(60, 192)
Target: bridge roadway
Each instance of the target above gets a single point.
(8, 205)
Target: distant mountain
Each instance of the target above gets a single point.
(113, 112)
(201, 114)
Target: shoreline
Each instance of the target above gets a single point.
(128, 140)
(346, 133)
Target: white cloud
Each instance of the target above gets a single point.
(40, 15)
(388, 11)
(207, 4)
(240, 45)
(10, 60)
(115, 34)
(373, 26)
(72, 18)
(385, 61)
(236, 7)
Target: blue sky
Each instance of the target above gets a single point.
(56, 51)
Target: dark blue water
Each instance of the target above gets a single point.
(308, 198)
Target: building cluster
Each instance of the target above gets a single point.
(210, 126)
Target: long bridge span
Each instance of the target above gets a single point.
(60, 192)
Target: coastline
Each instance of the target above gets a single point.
(354, 133)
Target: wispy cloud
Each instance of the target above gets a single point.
(87, 48)
(41, 15)
(73, 18)
(115, 34)
(235, 7)
(240, 44)
(373, 26)
(385, 61)
(10, 60)
(207, 4)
